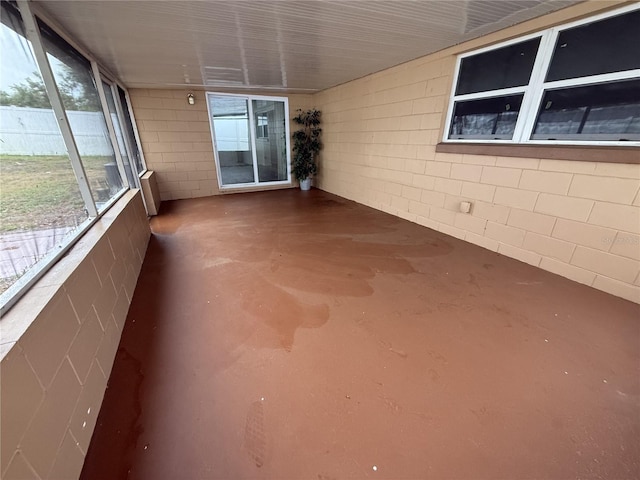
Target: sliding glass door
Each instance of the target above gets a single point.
(250, 137)
(269, 119)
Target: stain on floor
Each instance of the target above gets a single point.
(295, 335)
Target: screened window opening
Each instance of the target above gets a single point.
(81, 101)
(41, 202)
(130, 135)
(56, 176)
(574, 84)
(115, 121)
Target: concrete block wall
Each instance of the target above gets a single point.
(176, 139)
(58, 344)
(577, 219)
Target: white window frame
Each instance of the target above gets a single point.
(252, 139)
(113, 85)
(136, 139)
(99, 79)
(533, 92)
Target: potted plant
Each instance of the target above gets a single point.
(306, 145)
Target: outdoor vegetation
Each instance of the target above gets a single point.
(40, 200)
(31, 93)
(41, 192)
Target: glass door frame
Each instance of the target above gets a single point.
(252, 134)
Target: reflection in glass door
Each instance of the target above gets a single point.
(250, 137)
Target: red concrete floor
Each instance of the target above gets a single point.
(293, 335)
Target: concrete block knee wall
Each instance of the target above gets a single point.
(58, 346)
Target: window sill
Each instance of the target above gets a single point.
(553, 152)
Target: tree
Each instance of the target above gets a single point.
(74, 90)
(30, 93)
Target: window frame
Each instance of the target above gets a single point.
(31, 15)
(113, 88)
(252, 139)
(100, 79)
(136, 136)
(534, 91)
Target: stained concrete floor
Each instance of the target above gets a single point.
(293, 335)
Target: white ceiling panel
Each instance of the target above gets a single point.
(286, 45)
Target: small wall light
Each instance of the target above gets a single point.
(191, 100)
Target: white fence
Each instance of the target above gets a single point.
(232, 134)
(34, 131)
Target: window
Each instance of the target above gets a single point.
(59, 171)
(130, 133)
(575, 84)
(107, 88)
(73, 75)
(41, 202)
(262, 127)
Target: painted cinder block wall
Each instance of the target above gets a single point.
(58, 344)
(176, 139)
(577, 219)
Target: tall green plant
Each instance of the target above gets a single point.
(306, 143)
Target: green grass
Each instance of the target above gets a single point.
(39, 192)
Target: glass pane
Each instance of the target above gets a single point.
(233, 144)
(489, 118)
(41, 204)
(80, 97)
(271, 140)
(501, 68)
(581, 51)
(609, 111)
(131, 137)
(113, 113)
